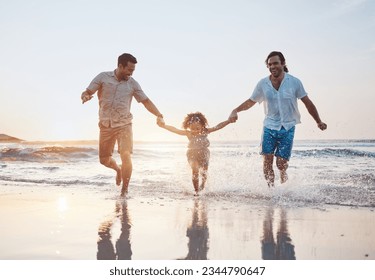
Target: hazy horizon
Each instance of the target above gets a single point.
(183, 140)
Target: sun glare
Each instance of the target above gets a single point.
(62, 204)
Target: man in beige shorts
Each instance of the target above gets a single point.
(116, 90)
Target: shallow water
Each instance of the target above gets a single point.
(62, 199)
(320, 172)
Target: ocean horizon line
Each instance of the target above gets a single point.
(4, 138)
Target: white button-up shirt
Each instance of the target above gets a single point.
(280, 106)
(115, 98)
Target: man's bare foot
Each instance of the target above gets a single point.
(119, 176)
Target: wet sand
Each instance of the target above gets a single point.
(40, 223)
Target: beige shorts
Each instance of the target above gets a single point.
(109, 136)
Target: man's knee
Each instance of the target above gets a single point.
(268, 161)
(105, 160)
(281, 163)
(125, 156)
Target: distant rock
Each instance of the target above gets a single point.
(7, 138)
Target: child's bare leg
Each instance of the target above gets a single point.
(204, 177)
(195, 175)
(195, 179)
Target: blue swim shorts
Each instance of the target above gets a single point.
(278, 142)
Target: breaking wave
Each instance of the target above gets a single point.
(48, 153)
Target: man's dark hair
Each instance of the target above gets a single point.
(125, 58)
(281, 56)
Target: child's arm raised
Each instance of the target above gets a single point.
(219, 126)
(172, 129)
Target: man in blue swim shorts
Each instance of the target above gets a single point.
(279, 93)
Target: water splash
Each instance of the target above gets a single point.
(318, 175)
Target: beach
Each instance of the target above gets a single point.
(58, 203)
(58, 224)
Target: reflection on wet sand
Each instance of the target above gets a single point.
(282, 249)
(106, 250)
(197, 233)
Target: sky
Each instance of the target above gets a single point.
(193, 55)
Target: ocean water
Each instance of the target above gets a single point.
(332, 172)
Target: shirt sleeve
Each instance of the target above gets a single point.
(300, 92)
(138, 93)
(258, 93)
(95, 84)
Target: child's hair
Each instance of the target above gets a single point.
(194, 117)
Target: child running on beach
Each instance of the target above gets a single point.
(198, 154)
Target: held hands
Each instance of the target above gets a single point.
(160, 121)
(233, 117)
(85, 96)
(322, 125)
(231, 120)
